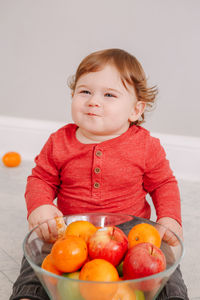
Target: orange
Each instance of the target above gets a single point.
(69, 254)
(144, 233)
(124, 293)
(98, 227)
(83, 229)
(48, 265)
(11, 159)
(61, 227)
(98, 270)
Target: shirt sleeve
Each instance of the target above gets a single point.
(160, 182)
(42, 184)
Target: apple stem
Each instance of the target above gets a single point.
(113, 231)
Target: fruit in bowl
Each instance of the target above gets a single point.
(69, 254)
(144, 233)
(98, 270)
(98, 287)
(124, 292)
(109, 243)
(96, 253)
(142, 260)
(83, 229)
(69, 289)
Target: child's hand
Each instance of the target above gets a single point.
(48, 231)
(174, 226)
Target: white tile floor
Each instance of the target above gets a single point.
(13, 227)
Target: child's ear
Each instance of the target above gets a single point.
(137, 111)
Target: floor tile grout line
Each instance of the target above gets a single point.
(2, 272)
(10, 256)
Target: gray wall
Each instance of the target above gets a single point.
(43, 41)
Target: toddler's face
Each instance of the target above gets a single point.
(102, 106)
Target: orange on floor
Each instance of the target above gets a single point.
(11, 159)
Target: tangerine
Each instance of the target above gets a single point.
(11, 159)
(69, 254)
(98, 270)
(60, 227)
(49, 266)
(144, 233)
(81, 228)
(124, 292)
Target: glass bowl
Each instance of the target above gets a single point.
(65, 288)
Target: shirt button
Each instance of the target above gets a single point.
(98, 153)
(96, 185)
(97, 170)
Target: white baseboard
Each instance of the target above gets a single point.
(183, 153)
(28, 136)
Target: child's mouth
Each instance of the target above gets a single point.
(91, 114)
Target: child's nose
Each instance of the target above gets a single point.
(94, 101)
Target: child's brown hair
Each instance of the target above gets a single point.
(129, 68)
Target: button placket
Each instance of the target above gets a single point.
(96, 174)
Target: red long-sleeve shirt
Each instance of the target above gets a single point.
(112, 176)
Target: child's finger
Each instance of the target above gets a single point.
(167, 235)
(37, 230)
(161, 229)
(52, 228)
(170, 238)
(45, 231)
(39, 233)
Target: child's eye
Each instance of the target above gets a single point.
(110, 95)
(85, 92)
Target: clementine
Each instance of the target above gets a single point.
(144, 233)
(11, 159)
(69, 254)
(124, 292)
(48, 265)
(98, 270)
(61, 227)
(81, 228)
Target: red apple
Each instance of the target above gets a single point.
(143, 260)
(109, 243)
